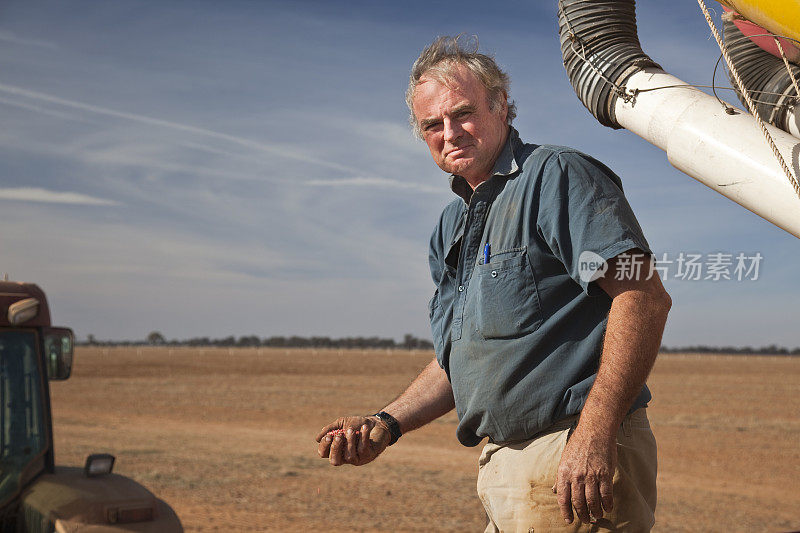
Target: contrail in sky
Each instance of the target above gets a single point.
(36, 194)
(144, 119)
(373, 182)
(13, 39)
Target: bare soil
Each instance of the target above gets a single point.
(227, 438)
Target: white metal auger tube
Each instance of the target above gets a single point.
(622, 87)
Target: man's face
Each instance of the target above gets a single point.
(464, 135)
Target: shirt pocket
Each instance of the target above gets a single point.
(507, 302)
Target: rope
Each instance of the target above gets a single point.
(750, 105)
(788, 68)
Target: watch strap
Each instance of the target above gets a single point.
(392, 423)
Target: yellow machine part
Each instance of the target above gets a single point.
(781, 17)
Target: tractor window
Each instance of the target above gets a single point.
(22, 429)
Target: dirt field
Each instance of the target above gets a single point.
(227, 438)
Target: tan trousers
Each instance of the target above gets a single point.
(515, 481)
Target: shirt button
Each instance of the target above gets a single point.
(460, 288)
(494, 273)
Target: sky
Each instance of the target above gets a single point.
(212, 168)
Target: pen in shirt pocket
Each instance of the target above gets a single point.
(486, 252)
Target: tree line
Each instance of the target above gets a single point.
(409, 342)
(155, 338)
(772, 349)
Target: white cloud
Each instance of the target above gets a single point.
(35, 194)
(381, 183)
(9, 37)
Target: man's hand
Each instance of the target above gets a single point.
(586, 474)
(363, 439)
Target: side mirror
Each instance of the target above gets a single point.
(58, 345)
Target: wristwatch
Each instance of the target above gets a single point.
(394, 426)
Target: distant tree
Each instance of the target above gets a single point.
(298, 342)
(227, 341)
(275, 342)
(248, 341)
(155, 338)
(321, 342)
(410, 342)
(90, 340)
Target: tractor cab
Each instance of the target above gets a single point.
(25, 423)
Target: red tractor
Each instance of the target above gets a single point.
(36, 495)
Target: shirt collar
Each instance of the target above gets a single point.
(505, 165)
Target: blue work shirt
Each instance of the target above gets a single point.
(520, 337)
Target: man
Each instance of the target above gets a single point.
(535, 348)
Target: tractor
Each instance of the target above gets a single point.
(35, 495)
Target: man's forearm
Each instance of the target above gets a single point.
(633, 336)
(427, 398)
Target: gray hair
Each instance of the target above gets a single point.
(444, 54)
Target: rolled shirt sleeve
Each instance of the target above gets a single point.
(584, 214)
